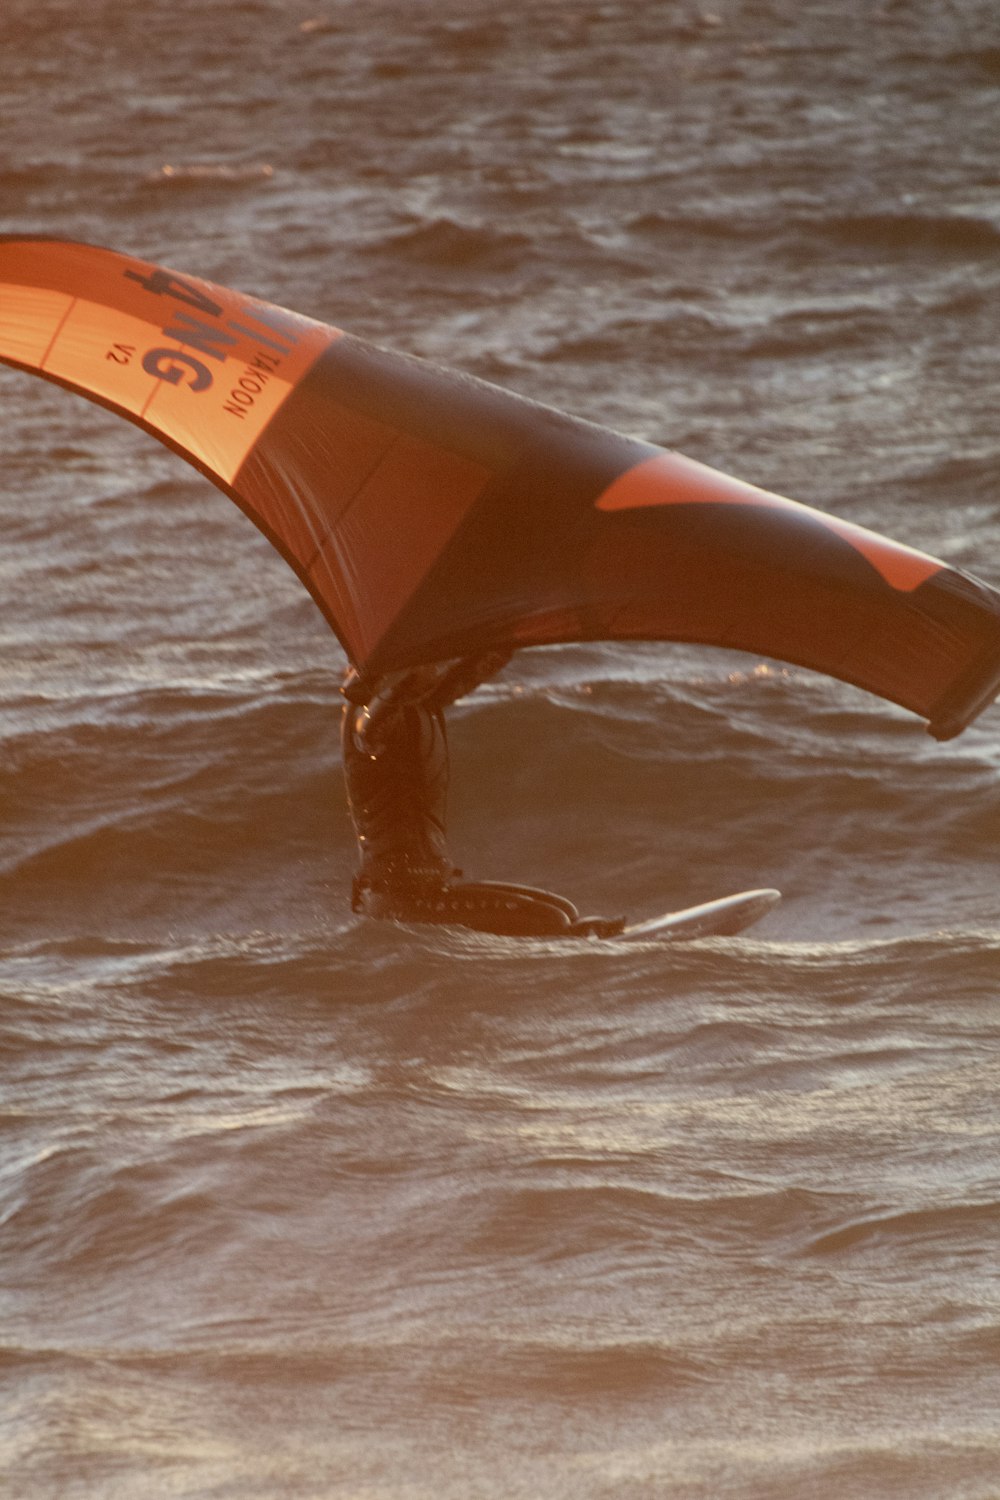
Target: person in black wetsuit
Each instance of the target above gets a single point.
(395, 753)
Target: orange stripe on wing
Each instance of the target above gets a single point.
(672, 479)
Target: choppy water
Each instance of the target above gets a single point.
(294, 1206)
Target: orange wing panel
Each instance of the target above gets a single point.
(30, 318)
(246, 397)
(99, 350)
(205, 367)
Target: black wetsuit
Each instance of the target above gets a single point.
(395, 753)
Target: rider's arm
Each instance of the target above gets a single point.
(432, 687)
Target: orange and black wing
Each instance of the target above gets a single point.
(432, 515)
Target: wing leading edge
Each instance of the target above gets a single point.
(431, 514)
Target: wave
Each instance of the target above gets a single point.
(70, 1208)
(447, 242)
(963, 479)
(904, 233)
(210, 174)
(928, 1230)
(816, 331)
(596, 1372)
(894, 231)
(610, 1228)
(659, 224)
(982, 62)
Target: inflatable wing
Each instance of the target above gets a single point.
(432, 515)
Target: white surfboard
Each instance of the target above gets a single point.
(722, 918)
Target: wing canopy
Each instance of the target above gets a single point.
(431, 515)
